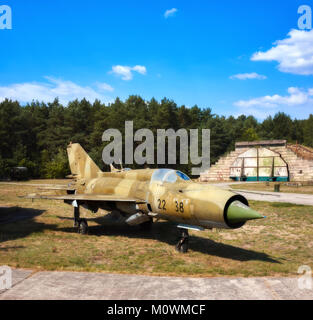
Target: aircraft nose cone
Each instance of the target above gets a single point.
(239, 212)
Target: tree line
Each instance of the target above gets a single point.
(36, 135)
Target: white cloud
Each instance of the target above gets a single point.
(104, 86)
(293, 54)
(245, 76)
(298, 102)
(263, 106)
(170, 13)
(296, 97)
(47, 91)
(140, 69)
(257, 113)
(126, 72)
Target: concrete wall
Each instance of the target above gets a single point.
(299, 169)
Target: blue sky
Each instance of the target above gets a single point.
(219, 54)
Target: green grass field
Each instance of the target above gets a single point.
(277, 245)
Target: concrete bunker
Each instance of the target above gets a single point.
(259, 164)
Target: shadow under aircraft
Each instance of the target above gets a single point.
(162, 231)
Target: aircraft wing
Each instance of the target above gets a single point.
(85, 197)
(41, 186)
(58, 188)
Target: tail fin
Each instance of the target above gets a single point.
(82, 166)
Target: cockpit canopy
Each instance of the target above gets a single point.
(168, 175)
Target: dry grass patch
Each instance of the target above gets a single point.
(46, 240)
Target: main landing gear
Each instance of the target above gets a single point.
(80, 223)
(147, 225)
(182, 244)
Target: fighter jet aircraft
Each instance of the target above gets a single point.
(146, 194)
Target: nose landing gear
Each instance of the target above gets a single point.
(182, 244)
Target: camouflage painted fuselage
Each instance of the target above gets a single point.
(160, 193)
(182, 201)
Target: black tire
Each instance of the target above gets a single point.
(147, 225)
(182, 246)
(83, 226)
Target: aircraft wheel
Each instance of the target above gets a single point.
(182, 246)
(83, 226)
(146, 225)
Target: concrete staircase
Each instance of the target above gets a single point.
(220, 171)
(301, 151)
(300, 168)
